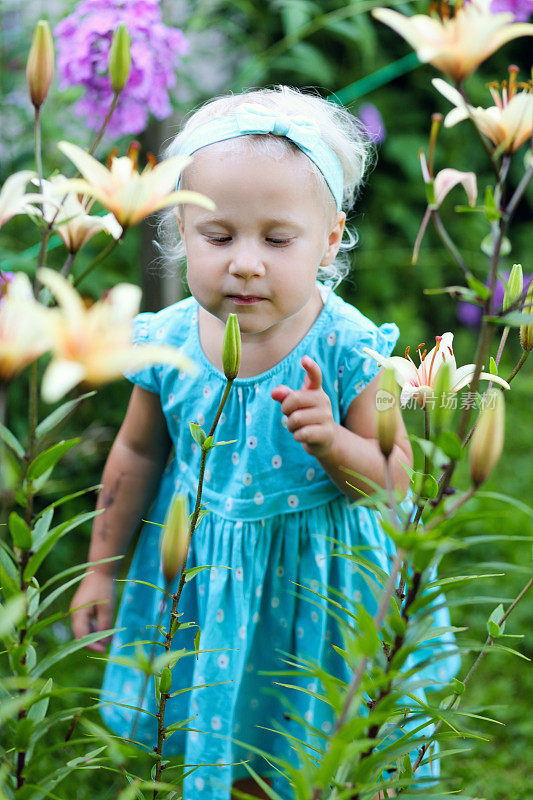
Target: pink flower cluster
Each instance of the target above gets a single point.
(83, 40)
(522, 9)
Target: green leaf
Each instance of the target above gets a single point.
(34, 562)
(42, 526)
(12, 613)
(197, 433)
(49, 458)
(197, 641)
(493, 368)
(68, 648)
(20, 532)
(60, 415)
(493, 623)
(468, 295)
(492, 213)
(11, 441)
(190, 573)
(9, 577)
(515, 319)
(482, 291)
(38, 710)
(458, 686)
(450, 444)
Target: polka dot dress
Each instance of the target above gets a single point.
(268, 544)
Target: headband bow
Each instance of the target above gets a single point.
(253, 118)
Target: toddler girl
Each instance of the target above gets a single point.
(280, 166)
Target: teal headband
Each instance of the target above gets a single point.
(254, 118)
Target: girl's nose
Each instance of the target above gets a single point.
(246, 261)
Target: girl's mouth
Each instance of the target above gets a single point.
(244, 301)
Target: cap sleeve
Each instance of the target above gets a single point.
(356, 368)
(142, 333)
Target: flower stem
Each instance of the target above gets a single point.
(518, 366)
(38, 147)
(99, 258)
(447, 241)
(104, 124)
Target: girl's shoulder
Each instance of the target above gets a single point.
(170, 325)
(350, 327)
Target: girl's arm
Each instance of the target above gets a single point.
(131, 474)
(353, 444)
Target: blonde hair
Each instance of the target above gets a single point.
(343, 132)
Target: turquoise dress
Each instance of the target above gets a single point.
(272, 508)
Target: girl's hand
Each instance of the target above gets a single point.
(308, 411)
(97, 590)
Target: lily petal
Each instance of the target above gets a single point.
(59, 378)
(448, 178)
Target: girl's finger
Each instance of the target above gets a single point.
(303, 417)
(313, 375)
(280, 392)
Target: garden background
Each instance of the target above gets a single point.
(337, 48)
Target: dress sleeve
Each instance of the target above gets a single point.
(142, 333)
(356, 369)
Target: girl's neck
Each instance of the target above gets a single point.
(260, 353)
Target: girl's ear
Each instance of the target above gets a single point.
(334, 239)
(180, 221)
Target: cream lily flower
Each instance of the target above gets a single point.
(24, 327)
(71, 219)
(130, 196)
(13, 199)
(456, 45)
(419, 381)
(94, 345)
(508, 123)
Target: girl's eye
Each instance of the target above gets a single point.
(218, 240)
(224, 239)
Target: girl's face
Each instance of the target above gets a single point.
(256, 255)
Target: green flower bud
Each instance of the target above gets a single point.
(174, 537)
(440, 412)
(231, 348)
(487, 440)
(40, 64)
(514, 287)
(120, 58)
(166, 681)
(526, 331)
(387, 402)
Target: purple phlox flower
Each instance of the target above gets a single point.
(522, 9)
(83, 41)
(373, 122)
(470, 314)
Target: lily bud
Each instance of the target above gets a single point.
(487, 440)
(231, 348)
(514, 287)
(120, 58)
(387, 401)
(174, 537)
(40, 64)
(526, 331)
(440, 412)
